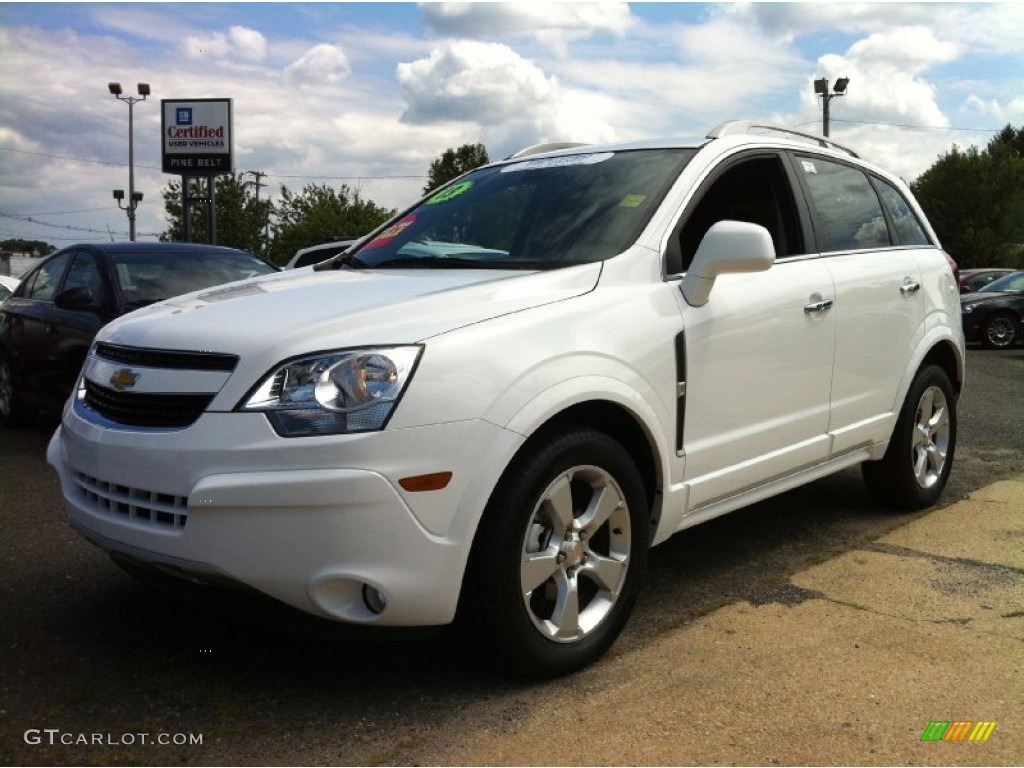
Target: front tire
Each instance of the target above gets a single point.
(558, 556)
(914, 470)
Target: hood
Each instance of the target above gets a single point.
(978, 296)
(293, 313)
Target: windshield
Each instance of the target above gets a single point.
(541, 213)
(146, 277)
(1011, 282)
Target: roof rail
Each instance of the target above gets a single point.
(734, 127)
(549, 146)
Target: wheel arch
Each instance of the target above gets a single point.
(945, 355)
(625, 428)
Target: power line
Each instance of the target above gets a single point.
(905, 125)
(76, 159)
(357, 178)
(61, 213)
(27, 219)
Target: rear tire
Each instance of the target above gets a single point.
(558, 556)
(1000, 331)
(914, 470)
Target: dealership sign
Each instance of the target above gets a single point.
(196, 136)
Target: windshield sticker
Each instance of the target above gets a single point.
(391, 232)
(451, 192)
(808, 166)
(632, 201)
(559, 162)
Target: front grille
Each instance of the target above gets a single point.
(167, 358)
(135, 504)
(145, 410)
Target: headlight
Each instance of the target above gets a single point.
(967, 309)
(334, 393)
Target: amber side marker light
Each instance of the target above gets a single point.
(432, 482)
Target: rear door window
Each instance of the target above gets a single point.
(847, 213)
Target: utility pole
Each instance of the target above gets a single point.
(821, 88)
(258, 175)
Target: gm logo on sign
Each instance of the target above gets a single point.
(183, 116)
(958, 730)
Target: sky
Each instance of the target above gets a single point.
(368, 94)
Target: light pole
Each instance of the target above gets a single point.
(134, 198)
(821, 88)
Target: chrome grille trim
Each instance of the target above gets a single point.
(134, 504)
(173, 359)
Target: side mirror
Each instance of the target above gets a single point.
(728, 247)
(75, 298)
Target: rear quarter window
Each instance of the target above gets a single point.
(908, 229)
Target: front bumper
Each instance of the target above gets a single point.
(307, 521)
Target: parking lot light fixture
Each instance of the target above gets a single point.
(821, 89)
(134, 198)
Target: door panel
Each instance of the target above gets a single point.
(759, 374)
(879, 322)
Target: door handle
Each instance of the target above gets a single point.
(818, 304)
(909, 287)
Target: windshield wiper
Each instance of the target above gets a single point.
(351, 262)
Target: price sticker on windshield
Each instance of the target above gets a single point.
(450, 193)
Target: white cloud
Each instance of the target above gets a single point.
(322, 64)
(554, 25)
(248, 43)
(487, 83)
(239, 42)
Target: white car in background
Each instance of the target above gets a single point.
(630, 340)
(305, 257)
(7, 286)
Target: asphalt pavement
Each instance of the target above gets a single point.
(847, 664)
(810, 629)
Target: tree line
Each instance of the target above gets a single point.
(974, 199)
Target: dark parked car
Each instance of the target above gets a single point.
(47, 325)
(995, 314)
(975, 279)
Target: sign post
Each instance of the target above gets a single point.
(197, 140)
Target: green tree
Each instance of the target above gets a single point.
(975, 201)
(31, 247)
(321, 214)
(241, 219)
(1010, 138)
(455, 162)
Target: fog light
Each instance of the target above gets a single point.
(375, 600)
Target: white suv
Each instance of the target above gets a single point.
(491, 408)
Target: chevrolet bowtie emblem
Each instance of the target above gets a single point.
(123, 379)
